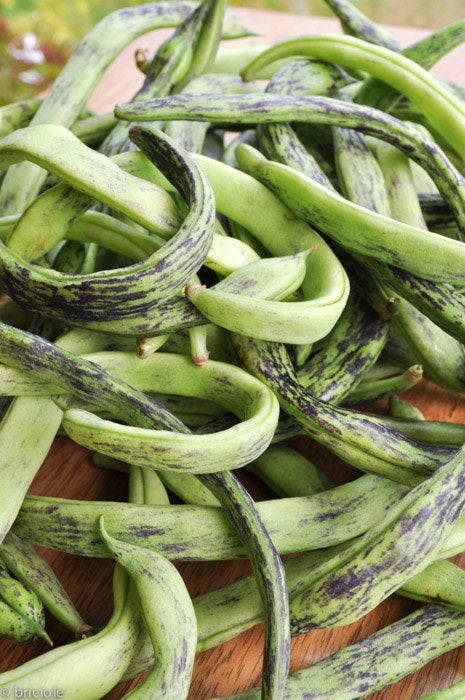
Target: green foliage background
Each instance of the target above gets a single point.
(59, 24)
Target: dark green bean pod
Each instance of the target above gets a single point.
(81, 378)
(24, 602)
(279, 141)
(360, 177)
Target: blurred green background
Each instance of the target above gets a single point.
(37, 36)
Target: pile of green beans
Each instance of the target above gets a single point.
(257, 244)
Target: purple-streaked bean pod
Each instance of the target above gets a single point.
(437, 101)
(377, 661)
(189, 533)
(129, 293)
(168, 614)
(356, 228)
(363, 441)
(268, 107)
(29, 567)
(82, 73)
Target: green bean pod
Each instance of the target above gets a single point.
(17, 115)
(426, 52)
(438, 103)
(364, 441)
(15, 627)
(187, 52)
(187, 532)
(24, 602)
(268, 107)
(287, 472)
(355, 23)
(401, 408)
(243, 199)
(168, 614)
(289, 322)
(71, 667)
(377, 661)
(441, 304)
(82, 298)
(81, 75)
(372, 390)
(351, 348)
(359, 174)
(383, 238)
(161, 449)
(442, 356)
(26, 564)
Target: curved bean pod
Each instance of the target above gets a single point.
(243, 199)
(269, 107)
(71, 667)
(351, 348)
(83, 71)
(160, 449)
(434, 99)
(425, 52)
(82, 299)
(364, 441)
(377, 236)
(287, 322)
(171, 624)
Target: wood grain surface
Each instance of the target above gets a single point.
(68, 472)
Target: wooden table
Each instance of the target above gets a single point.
(68, 472)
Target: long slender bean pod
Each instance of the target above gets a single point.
(439, 104)
(26, 564)
(383, 238)
(376, 662)
(172, 626)
(363, 441)
(202, 532)
(268, 107)
(81, 75)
